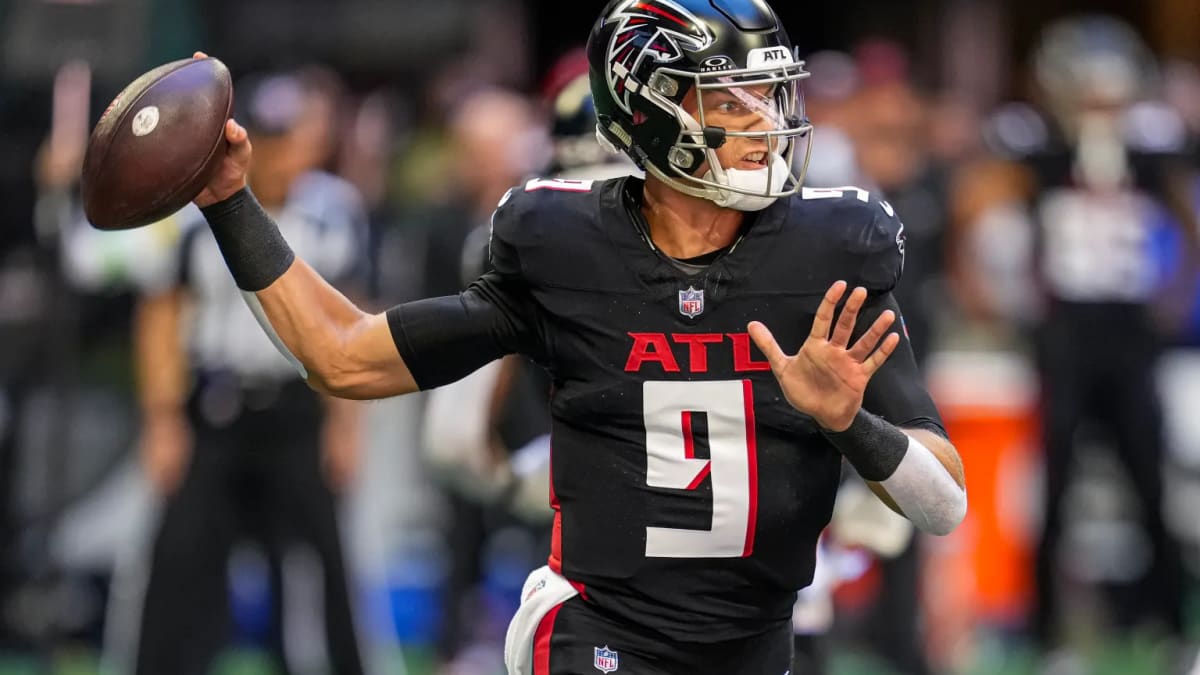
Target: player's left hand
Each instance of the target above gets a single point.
(827, 378)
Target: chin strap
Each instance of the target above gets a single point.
(755, 180)
(764, 180)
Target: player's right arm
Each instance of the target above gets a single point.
(340, 349)
(344, 351)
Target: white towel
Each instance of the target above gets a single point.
(542, 592)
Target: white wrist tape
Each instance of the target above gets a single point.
(926, 492)
(260, 314)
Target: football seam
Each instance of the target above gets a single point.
(168, 194)
(213, 150)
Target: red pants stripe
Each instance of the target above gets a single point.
(541, 642)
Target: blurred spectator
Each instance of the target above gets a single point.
(828, 102)
(232, 437)
(489, 433)
(891, 143)
(890, 133)
(953, 129)
(496, 140)
(1181, 90)
(1100, 165)
(991, 249)
(576, 152)
(67, 367)
(368, 146)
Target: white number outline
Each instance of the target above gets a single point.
(732, 466)
(559, 185)
(864, 196)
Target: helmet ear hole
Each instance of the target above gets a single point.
(664, 84)
(612, 134)
(605, 143)
(681, 158)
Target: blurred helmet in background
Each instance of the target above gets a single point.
(1091, 63)
(274, 109)
(647, 57)
(270, 104)
(577, 152)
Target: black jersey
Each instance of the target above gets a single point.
(1094, 244)
(1096, 247)
(689, 493)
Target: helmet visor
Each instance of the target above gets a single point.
(763, 104)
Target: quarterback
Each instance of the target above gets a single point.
(719, 339)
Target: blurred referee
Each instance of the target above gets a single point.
(235, 441)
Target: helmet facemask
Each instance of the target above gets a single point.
(759, 103)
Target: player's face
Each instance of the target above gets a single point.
(747, 108)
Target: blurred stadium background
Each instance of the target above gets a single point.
(430, 107)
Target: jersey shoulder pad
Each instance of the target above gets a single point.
(860, 228)
(540, 222)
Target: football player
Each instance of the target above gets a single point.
(1101, 165)
(691, 474)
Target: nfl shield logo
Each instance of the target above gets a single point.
(606, 659)
(691, 302)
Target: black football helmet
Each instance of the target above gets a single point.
(577, 154)
(646, 57)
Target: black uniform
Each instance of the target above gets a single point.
(255, 468)
(1097, 349)
(689, 493)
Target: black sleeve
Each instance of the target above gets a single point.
(875, 237)
(444, 339)
(897, 392)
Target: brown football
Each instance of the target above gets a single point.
(157, 145)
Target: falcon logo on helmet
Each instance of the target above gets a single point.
(650, 29)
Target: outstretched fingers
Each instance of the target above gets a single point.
(876, 361)
(870, 339)
(824, 318)
(767, 345)
(848, 318)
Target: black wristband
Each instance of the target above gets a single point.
(254, 249)
(872, 446)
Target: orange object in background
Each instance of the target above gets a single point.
(981, 575)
